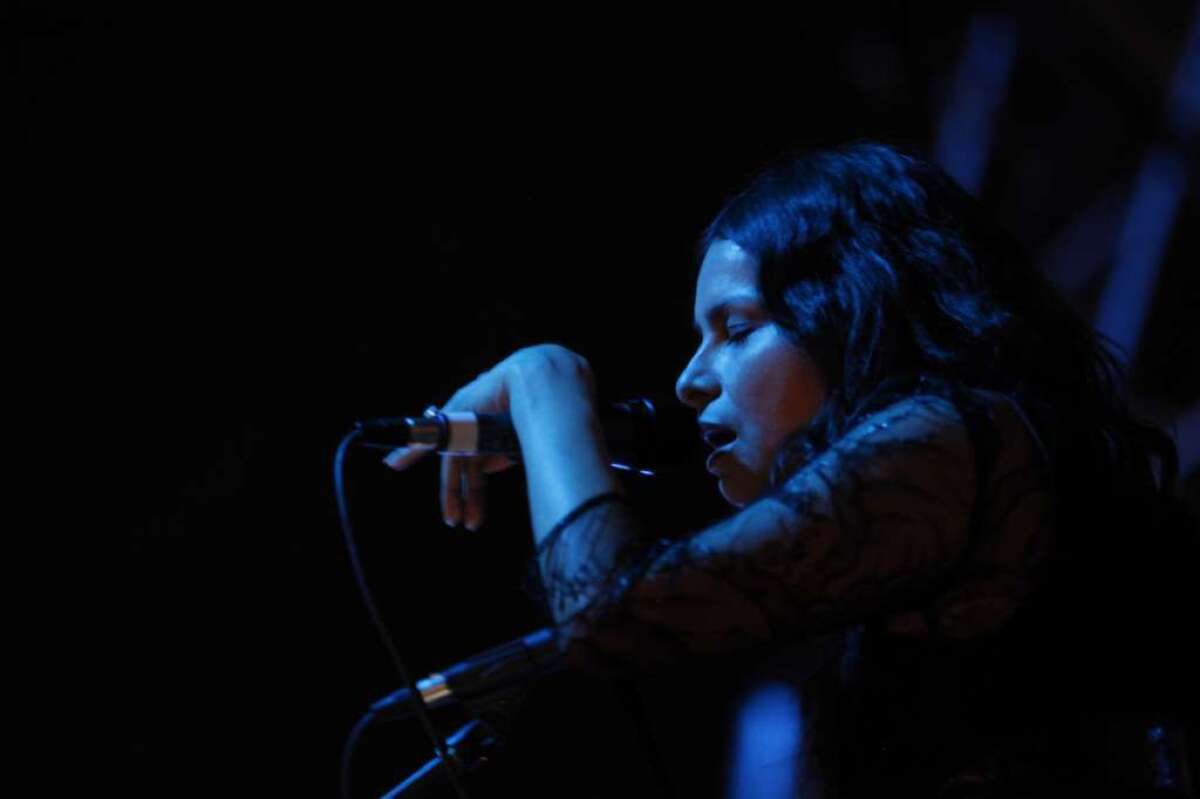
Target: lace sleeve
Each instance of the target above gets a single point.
(877, 518)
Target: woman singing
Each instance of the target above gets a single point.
(942, 502)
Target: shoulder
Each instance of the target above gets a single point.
(986, 434)
(1014, 526)
(910, 456)
(922, 428)
(996, 426)
(917, 416)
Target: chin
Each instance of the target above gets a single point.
(741, 488)
(732, 494)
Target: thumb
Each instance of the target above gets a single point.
(400, 459)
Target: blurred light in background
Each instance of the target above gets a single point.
(977, 92)
(767, 740)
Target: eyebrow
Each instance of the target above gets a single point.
(724, 305)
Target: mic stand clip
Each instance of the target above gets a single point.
(469, 747)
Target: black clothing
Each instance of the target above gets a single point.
(935, 590)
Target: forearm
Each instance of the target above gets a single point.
(562, 446)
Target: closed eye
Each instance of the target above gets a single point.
(740, 333)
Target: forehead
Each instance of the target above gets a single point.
(728, 274)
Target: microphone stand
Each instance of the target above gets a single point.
(468, 748)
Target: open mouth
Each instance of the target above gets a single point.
(719, 437)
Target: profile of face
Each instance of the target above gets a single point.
(746, 376)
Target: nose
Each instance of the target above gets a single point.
(696, 386)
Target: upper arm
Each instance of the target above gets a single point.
(1015, 532)
(877, 517)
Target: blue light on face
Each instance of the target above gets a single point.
(767, 744)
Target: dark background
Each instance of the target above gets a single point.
(268, 220)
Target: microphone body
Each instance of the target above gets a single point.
(642, 435)
(518, 661)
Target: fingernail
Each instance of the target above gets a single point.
(395, 459)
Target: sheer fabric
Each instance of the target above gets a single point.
(897, 581)
(898, 516)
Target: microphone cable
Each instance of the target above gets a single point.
(439, 742)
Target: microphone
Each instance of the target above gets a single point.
(518, 661)
(642, 435)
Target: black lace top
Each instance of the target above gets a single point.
(893, 581)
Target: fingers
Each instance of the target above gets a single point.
(497, 463)
(475, 493)
(463, 491)
(450, 493)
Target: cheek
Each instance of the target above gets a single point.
(801, 394)
(783, 392)
(775, 407)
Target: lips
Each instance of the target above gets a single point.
(711, 463)
(716, 435)
(720, 438)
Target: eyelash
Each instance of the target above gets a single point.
(740, 335)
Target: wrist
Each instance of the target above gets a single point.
(545, 392)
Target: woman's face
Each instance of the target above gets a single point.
(745, 376)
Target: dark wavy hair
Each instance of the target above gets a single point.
(876, 263)
(879, 266)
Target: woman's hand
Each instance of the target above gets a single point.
(537, 379)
